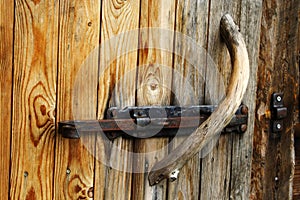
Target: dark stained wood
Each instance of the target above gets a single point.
(296, 181)
(6, 57)
(273, 156)
(34, 97)
(117, 83)
(77, 96)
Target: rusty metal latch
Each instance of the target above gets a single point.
(151, 121)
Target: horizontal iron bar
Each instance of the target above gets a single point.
(145, 122)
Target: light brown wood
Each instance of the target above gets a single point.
(67, 169)
(172, 163)
(188, 85)
(153, 87)
(273, 155)
(77, 96)
(33, 125)
(117, 86)
(6, 57)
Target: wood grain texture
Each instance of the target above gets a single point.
(117, 88)
(296, 181)
(231, 158)
(216, 165)
(242, 147)
(77, 96)
(273, 156)
(6, 67)
(35, 56)
(153, 88)
(170, 166)
(188, 85)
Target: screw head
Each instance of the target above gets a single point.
(279, 98)
(278, 126)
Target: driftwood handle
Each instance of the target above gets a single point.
(169, 166)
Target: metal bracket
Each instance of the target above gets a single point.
(278, 112)
(151, 121)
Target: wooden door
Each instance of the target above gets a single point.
(70, 59)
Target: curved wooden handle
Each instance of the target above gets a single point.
(169, 166)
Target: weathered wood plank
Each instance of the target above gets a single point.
(216, 165)
(250, 18)
(6, 57)
(188, 85)
(35, 56)
(77, 96)
(278, 71)
(296, 181)
(117, 85)
(229, 163)
(153, 88)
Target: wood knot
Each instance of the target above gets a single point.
(43, 109)
(153, 86)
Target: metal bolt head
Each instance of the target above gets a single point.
(278, 126)
(278, 98)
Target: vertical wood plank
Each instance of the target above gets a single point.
(6, 68)
(250, 20)
(191, 21)
(228, 165)
(153, 88)
(296, 181)
(216, 166)
(35, 56)
(77, 96)
(117, 86)
(273, 155)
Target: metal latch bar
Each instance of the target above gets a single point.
(151, 121)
